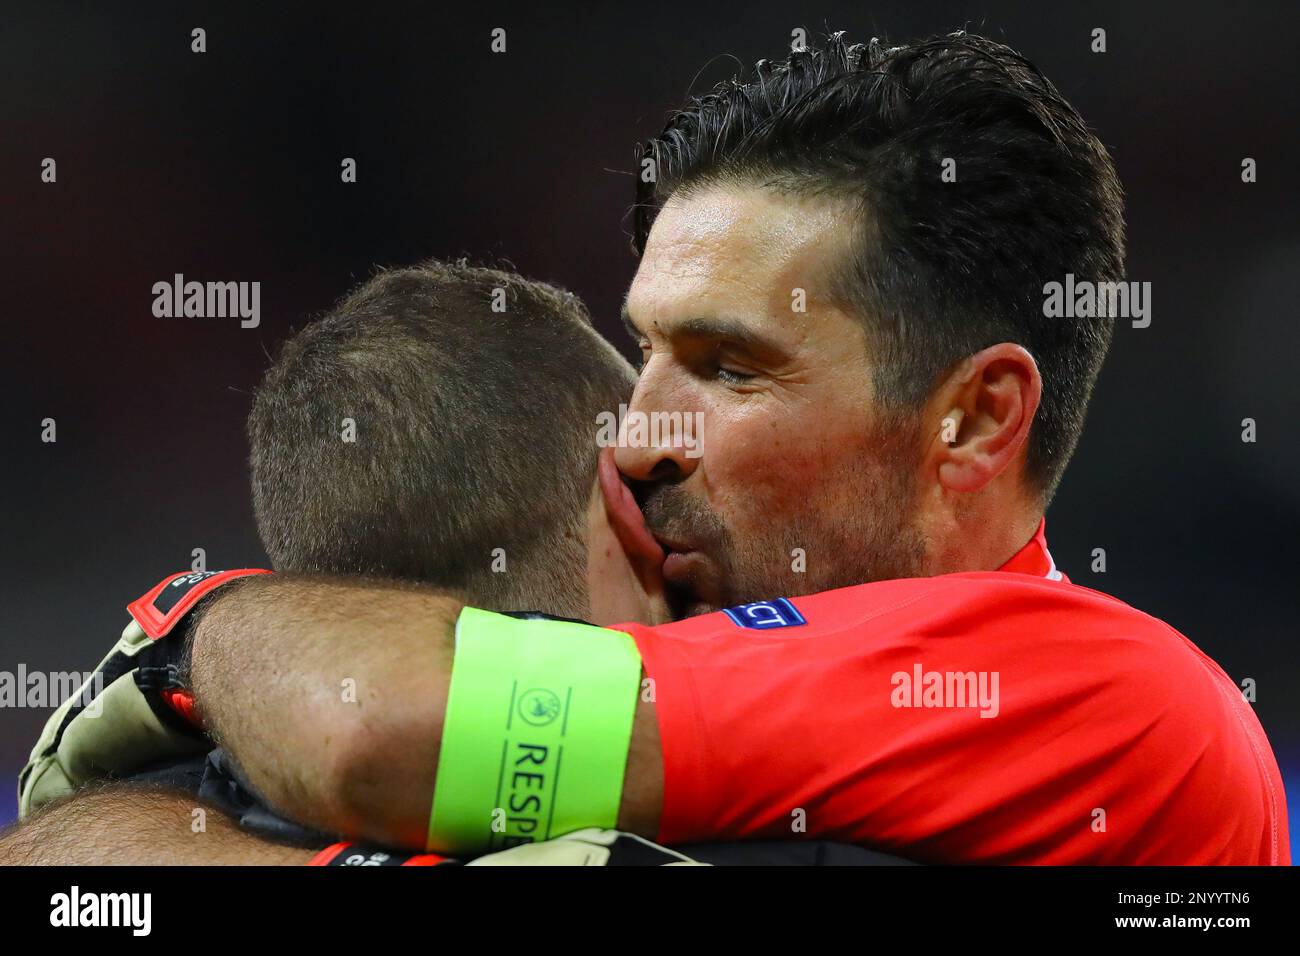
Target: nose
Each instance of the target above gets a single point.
(656, 438)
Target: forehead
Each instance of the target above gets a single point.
(741, 250)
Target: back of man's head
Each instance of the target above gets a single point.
(419, 432)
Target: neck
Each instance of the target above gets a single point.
(973, 537)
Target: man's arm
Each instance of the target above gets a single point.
(137, 826)
(331, 697)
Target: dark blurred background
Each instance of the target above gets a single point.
(225, 166)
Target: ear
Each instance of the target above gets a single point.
(625, 518)
(984, 411)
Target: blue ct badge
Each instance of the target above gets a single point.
(765, 615)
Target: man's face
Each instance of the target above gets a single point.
(801, 484)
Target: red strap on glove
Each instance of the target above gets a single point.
(368, 854)
(163, 606)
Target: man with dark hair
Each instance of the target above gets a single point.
(836, 243)
(843, 264)
(965, 183)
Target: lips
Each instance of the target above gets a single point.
(684, 563)
(680, 566)
(671, 542)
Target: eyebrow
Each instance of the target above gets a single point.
(711, 327)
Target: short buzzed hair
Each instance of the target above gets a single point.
(473, 430)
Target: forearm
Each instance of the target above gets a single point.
(138, 826)
(331, 695)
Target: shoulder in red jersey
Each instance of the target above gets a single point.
(999, 717)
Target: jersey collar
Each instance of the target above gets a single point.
(1034, 558)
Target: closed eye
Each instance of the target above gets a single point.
(732, 377)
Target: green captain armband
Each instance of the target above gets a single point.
(536, 736)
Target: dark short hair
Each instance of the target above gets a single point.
(938, 270)
(474, 430)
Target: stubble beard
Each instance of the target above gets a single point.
(863, 529)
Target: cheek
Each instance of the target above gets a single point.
(761, 467)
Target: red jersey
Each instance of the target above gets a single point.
(993, 717)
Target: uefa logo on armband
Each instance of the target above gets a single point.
(539, 706)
